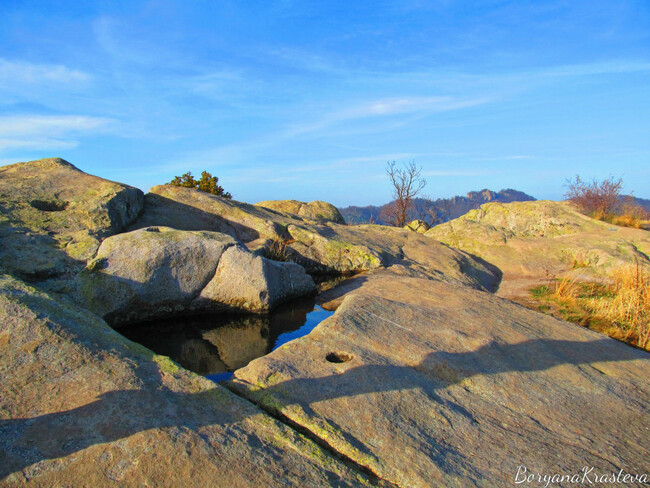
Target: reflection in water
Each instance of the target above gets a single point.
(217, 344)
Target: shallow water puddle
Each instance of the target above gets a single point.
(217, 344)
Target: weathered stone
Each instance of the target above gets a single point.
(53, 216)
(245, 281)
(430, 384)
(320, 254)
(82, 406)
(150, 272)
(352, 249)
(321, 249)
(190, 209)
(317, 210)
(530, 241)
(159, 271)
(419, 226)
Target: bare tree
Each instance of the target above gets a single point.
(407, 184)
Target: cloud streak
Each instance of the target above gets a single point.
(21, 72)
(48, 131)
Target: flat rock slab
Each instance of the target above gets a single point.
(431, 384)
(82, 406)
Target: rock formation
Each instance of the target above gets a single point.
(190, 209)
(529, 241)
(53, 217)
(422, 378)
(419, 226)
(320, 248)
(431, 384)
(80, 405)
(159, 271)
(321, 212)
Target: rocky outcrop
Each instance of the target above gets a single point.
(431, 384)
(530, 241)
(349, 249)
(317, 211)
(190, 209)
(418, 380)
(419, 226)
(159, 271)
(321, 249)
(82, 406)
(53, 217)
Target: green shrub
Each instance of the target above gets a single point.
(207, 183)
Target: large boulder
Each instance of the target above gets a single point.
(80, 405)
(429, 384)
(159, 271)
(53, 217)
(530, 241)
(317, 210)
(245, 281)
(351, 249)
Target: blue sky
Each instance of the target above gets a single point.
(309, 100)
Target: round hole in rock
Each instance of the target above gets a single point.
(338, 357)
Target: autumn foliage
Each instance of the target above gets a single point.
(603, 201)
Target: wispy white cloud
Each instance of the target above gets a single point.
(21, 72)
(48, 131)
(604, 68)
(37, 143)
(53, 125)
(386, 107)
(401, 105)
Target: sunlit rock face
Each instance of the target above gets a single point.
(83, 406)
(160, 271)
(432, 384)
(321, 247)
(54, 217)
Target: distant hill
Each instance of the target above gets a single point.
(441, 210)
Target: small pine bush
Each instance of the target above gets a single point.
(207, 183)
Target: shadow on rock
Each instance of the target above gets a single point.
(441, 369)
(112, 416)
(163, 211)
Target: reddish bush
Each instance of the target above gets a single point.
(598, 200)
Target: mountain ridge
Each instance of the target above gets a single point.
(440, 210)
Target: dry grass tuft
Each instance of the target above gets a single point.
(627, 306)
(277, 250)
(620, 309)
(631, 216)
